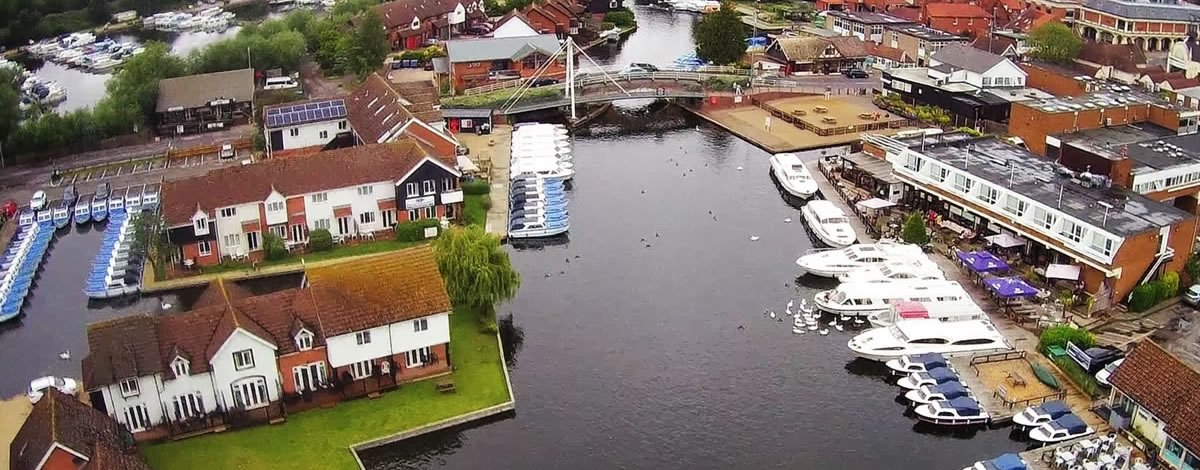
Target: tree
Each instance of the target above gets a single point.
(134, 90)
(720, 36)
(914, 229)
(1054, 42)
(98, 11)
(10, 112)
(1192, 268)
(273, 247)
(368, 44)
(150, 240)
(477, 271)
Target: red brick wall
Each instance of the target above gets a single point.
(443, 147)
(1164, 117)
(60, 460)
(1052, 82)
(439, 210)
(1033, 125)
(192, 251)
(1138, 251)
(977, 27)
(286, 363)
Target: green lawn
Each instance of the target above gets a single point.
(338, 251)
(320, 439)
(475, 212)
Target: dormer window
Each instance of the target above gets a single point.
(304, 340)
(201, 224)
(180, 366)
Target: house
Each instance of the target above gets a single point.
(865, 26)
(233, 357)
(1123, 63)
(803, 55)
(959, 63)
(205, 102)
(883, 57)
(1117, 237)
(1028, 20)
(558, 17)
(919, 42)
(351, 192)
(1150, 25)
(1185, 56)
(413, 24)
(378, 113)
(477, 62)
(958, 18)
(600, 7)
(62, 433)
(999, 45)
(513, 25)
(1155, 397)
(308, 124)
(969, 83)
(1064, 11)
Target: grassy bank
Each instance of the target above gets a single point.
(319, 439)
(475, 207)
(338, 251)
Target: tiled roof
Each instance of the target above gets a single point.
(849, 46)
(1166, 386)
(801, 49)
(376, 111)
(967, 58)
(59, 418)
(400, 13)
(1179, 83)
(955, 10)
(886, 52)
(232, 319)
(244, 184)
(1124, 57)
(121, 348)
(1141, 9)
(187, 334)
(282, 314)
(380, 290)
(1029, 19)
(197, 90)
(995, 44)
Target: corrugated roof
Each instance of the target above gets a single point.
(478, 50)
(195, 91)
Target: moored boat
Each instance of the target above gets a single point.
(793, 175)
(909, 310)
(960, 411)
(934, 376)
(829, 223)
(1066, 427)
(943, 391)
(83, 210)
(62, 214)
(867, 298)
(928, 335)
(1003, 462)
(833, 262)
(917, 363)
(1038, 415)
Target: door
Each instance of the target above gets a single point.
(343, 225)
(252, 240)
(250, 393)
(309, 377)
(389, 217)
(276, 140)
(137, 418)
(298, 233)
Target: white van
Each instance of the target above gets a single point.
(280, 83)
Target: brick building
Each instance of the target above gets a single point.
(205, 102)
(1151, 25)
(1155, 399)
(62, 433)
(413, 24)
(478, 62)
(865, 26)
(919, 42)
(958, 18)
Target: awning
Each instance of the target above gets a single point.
(474, 113)
(1062, 271)
(465, 164)
(876, 167)
(875, 203)
(1010, 287)
(343, 211)
(1005, 240)
(982, 261)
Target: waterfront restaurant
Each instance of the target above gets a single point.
(204, 103)
(1119, 239)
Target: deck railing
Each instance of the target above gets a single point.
(997, 357)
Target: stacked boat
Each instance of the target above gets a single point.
(20, 261)
(540, 167)
(116, 270)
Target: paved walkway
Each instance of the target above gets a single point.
(494, 148)
(831, 194)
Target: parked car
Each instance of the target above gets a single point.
(1192, 296)
(543, 82)
(9, 209)
(226, 151)
(37, 387)
(644, 67)
(280, 83)
(38, 202)
(856, 73)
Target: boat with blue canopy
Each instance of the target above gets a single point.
(943, 391)
(1067, 427)
(62, 214)
(1038, 415)
(957, 412)
(1003, 462)
(917, 363)
(83, 210)
(934, 376)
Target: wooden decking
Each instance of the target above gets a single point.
(997, 385)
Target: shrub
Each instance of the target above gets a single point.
(605, 26)
(476, 187)
(622, 18)
(1143, 297)
(414, 54)
(498, 97)
(320, 240)
(414, 231)
(1086, 383)
(1060, 335)
(1169, 286)
(914, 229)
(273, 247)
(432, 52)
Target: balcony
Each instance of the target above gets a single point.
(450, 197)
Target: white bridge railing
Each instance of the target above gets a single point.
(594, 75)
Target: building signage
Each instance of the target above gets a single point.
(418, 202)
(219, 102)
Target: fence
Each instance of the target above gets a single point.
(996, 357)
(208, 149)
(1002, 394)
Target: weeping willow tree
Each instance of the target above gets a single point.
(477, 271)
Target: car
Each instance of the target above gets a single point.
(38, 202)
(543, 82)
(226, 151)
(37, 387)
(280, 83)
(856, 73)
(1192, 295)
(643, 67)
(9, 209)
(397, 64)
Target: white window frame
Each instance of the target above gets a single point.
(294, 132)
(306, 370)
(180, 367)
(137, 418)
(204, 248)
(428, 187)
(275, 206)
(366, 190)
(129, 388)
(963, 183)
(188, 405)
(279, 231)
(232, 239)
(412, 189)
(431, 212)
(988, 194)
(1043, 218)
(367, 217)
(419, 357)
(448, 184)
(228, 212)
(201, 224)
(362, 337)
(258, 388)
(318, 197)
(1017, 209)
(304, 340)
(342, 125)
(1105, 247)
(243, 359)
(321, 224)
(420, 324)
(1071, 230)
(413, 214)
(324, 134)
(362, 369)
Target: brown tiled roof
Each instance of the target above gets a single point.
(849, 46)
(197, 90)
(995, 44)
(59, 418)
(1166, 386)
(377, 291)
(217, 292)
(187, 334)
(244, 184)
(121, 348)
(400, 13)
(886, 52)
(375, 110)
(955, 10)
(1179, 83)
(1029, 19)
(282, 314)
(1125, 57)
(232, 319)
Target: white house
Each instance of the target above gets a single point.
(313, 123)
(1155, 397)
(513, 25)
(960, 63)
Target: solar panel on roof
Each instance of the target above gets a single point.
(307, 112)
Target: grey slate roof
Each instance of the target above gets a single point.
(1181, 11)
(924, 32)
(194, 91)
(476, 50)
(867, 17)
(965, 57)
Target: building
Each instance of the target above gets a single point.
(478, 62)
(353, 327)
(600, 7)
(558, 17)
(1030, 18)
(205, 102)
(1155, 397)
(1185, 56)
(378, 113)
(1059, 10)
(919, 42)
(866, 26)
(513, 25)
(1150, 25)
(808, 55)
(1118, 238)
(62, 433)
(883, 57)
(351, 192)
(998, 44)
(970, 84)
(958, 18)
(413, 24)
(309, 124)
(1124, 63)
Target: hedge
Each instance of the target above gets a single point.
(320, 240)
(497, 98)
(1151, 293)
(414, 231)
(273, 247)
(1059, 335)
(476, 187)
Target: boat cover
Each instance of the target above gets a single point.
(1056, 409)
(951, 390)
(942, 374)
(965, 406)
(1005, 462)
(931, 360)
(909, 309)
(1071, 423)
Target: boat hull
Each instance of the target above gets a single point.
(983, 419)
(540, 233)
(881, 357)
(1040, 436)
(823, 236)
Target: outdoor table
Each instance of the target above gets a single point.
(1063, 458)
(1107, 459)
(1089, 446)
(1090, 465)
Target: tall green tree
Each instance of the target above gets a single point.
(10, 112)
(477, 271)
(914, 229)
(133, 91)
(1054, 42)
(98, 11)
(368, 44)
(720, 37)
(150, 240)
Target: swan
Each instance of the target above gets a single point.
(858, 321)
(798, 330)
(838, 326)
(754, 238)
(824, 331)
(739, 168)
(65, 355)
(834, 322)
(787, 220)
(166, 305)
(845, 318)
(812, 326)
(789, 305)
(772, 314)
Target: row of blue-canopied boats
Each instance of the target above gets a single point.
(117, 269)
(98, 206)
(19, 265)
(541, 164)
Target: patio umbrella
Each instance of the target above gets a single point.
(1010, 287)
(875, 203)
(1062, 271)
(982, 261)
(1005, 240)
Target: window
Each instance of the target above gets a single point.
(309, 376)
(956, 21)
(298, 232)
(988, 194)
(188, 406)
(389, 217)
(1015, 206)
(229, 212)
(420, 324)
(413, 214)
(304, 340)
(430, 212)
(233, 239)
(973, 341)
(418, 357)
(204, 248)
(427, 187)
(324, 134)
(252, 240)
(1174, 448)
(366, 190)
(363, 337)
(294, 132)
(243, 359)
(361, 370)
(250, 393)
(1072, 231)
(913, 162)
(447, 184)
(137, 418)
(342, 125)
(321, 224)
(129, 387)
(962, 183)
(1102, 244)
(1043, 217)
(180, 367)
(201, 224)
(275, 206)
(987, 81)
(343, 225)
(411, 189)
(366, 217)
(279, 230)
(970, 21)
(319, 197)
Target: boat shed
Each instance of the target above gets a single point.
(205, 102)
(466, 119)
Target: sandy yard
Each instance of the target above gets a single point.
(750, 123)
(12, 415)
